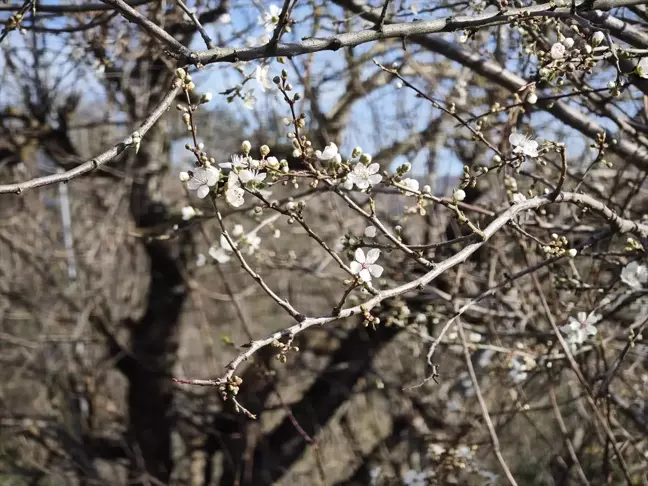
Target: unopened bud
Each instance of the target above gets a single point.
(265, 150)
(365, 158)
(181, 73)
(246, 146)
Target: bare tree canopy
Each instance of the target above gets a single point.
(345, 242)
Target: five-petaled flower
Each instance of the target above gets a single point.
(634, 275)
(523, 144)
(330, 153)
(365, 266)
(363, 176)
(203, 178)
(579, 328)
(270, 18)
(261, 75)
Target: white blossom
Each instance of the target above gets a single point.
(579, 328)
(363, 176)
(253, 242)
(557, 51)
(272, 162)
(270, 18)
(370, 231)
(411, 184)
(203, 178)
(234, 192)
(634, 275)
(523, 144)
(261, 75)
(188, 212)
(247, 176)
(237, 162)
(568, 42)
(220, 254)
(365, 266)
(330, 153)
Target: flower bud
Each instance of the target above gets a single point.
(572, 252)
(356, 152)
(205, 98)
(365, 158)
(246, 146)
(186, 117)
(568, 42)
(181, 73)
(597, 38)
(184, 176)
(459, 195)
(190, 86)
(265, 150)
(427, 189)
(532, 98)
(297, 97)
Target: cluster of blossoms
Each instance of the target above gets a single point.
(243, 172)
(580, 328)
(250, 242)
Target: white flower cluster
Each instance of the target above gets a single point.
(244, 172)
(250, 242)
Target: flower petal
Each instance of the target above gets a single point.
(359, 255)
(362, 183)
(194, 184)
(375, 179)
(372, 255)
(376, 270)
(365, 275)
(516, 139)
(355, 268)
(202, 191)
(373, 168)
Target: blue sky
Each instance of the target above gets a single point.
(385, 103)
